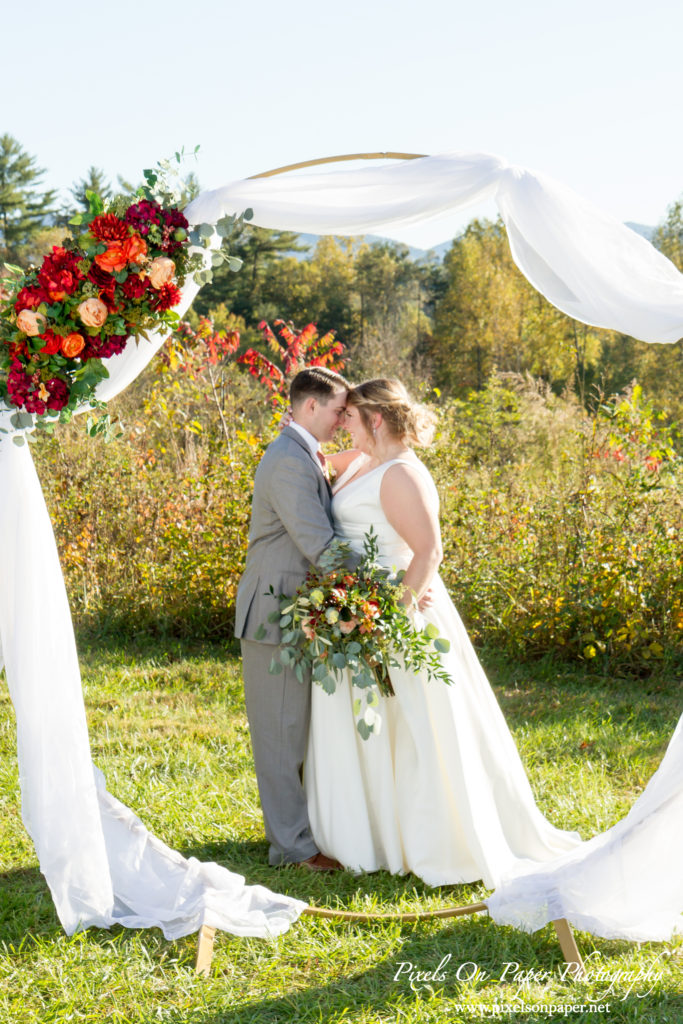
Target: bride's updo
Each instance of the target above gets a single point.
(409, 421)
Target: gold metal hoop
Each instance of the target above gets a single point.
(338, 159)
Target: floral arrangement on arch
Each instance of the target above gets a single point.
(118, 278)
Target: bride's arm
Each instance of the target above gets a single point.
(409, 506)
(341, 461)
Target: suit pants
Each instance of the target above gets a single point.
(279, 712)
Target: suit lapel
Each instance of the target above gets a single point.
(296, 436)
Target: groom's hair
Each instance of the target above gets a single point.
(315, 382)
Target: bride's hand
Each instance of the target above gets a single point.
(285, 419)
(427, 599)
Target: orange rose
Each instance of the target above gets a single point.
(161, 271)
(72, 345)
(31, 323)
(113, 260)
(134, 248)
(93, 312)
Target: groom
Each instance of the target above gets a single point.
(290, 528)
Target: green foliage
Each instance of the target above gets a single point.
(562, 529)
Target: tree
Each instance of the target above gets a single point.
(94, 181)
(246, 294)
(24, 211)
(669, 235)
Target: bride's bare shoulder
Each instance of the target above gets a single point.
(408, 474)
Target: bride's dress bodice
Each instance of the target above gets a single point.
(356, 506)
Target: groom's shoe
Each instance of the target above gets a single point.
(319, 862)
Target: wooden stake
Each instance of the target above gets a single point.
(205, 950)
(570, 950)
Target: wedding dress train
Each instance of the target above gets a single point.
(441, 790)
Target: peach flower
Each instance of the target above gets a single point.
(161, 271)
(31, 323)
(72, 345)
(93, 312)
(347, 627)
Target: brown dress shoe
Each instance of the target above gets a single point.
(319, 862)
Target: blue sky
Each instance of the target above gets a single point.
(588, 92)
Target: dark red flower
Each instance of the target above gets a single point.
(59, 393)
(30, 298)
(59, 275)
(165, 297)
(142, 214)
(109, 228)
(102, 347)
(134, 287)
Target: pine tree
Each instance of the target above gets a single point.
(94, 181)
(24, 211)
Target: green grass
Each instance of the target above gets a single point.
(169, 730)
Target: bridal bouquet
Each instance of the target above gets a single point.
(118, 277)
(354, 620)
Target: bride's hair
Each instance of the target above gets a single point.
(411, 422)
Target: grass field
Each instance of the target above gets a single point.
(168, 729)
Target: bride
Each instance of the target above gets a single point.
(441, 790)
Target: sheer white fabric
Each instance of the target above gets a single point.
(586, 263)
(102, 865)
(626, 883)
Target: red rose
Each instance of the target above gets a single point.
(52, 343)
(29, 298)
(59, 274)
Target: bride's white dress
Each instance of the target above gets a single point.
(441, 791)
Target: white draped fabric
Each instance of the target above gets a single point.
(626, 883)
(586, 263)
(101, 864)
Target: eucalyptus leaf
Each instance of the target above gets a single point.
(260, 632)
(442, 645)
(234, 263)
(328, 684)
(431, 631)
(364, 729)
(275, 667)
(18, 440)
(339, 660)
(205, 230)
(20, 420)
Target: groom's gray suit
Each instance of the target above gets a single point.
(290, 528)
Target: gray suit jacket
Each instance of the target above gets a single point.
(290, 528)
